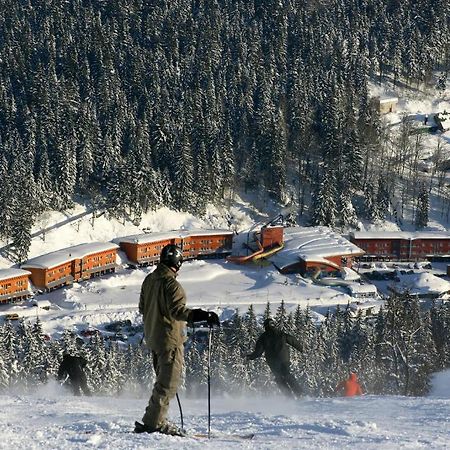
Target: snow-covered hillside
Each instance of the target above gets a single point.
(50, 418)
(433, 147)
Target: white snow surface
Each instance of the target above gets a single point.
(50, 418)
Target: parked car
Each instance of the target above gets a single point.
(43, 304)
(118, 337)
(118, 325)
(88, 332)
(12, 316)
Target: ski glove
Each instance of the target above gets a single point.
(200, 315)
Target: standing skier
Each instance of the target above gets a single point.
(72, 368)
(273, 343)
(162, 303)
(349, 387)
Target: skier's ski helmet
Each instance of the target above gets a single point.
(172, 256)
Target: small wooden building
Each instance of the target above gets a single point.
(386, 105)
(272, 236)
(14, 285)
(308, 249)
(67, 265)
(144, 249)
(402, 245)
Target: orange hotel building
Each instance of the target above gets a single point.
(67, 265)
(144, 249)
(14, 285)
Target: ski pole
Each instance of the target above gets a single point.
(63, 382)
(209, 380)
(181, 412)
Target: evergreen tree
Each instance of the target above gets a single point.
(423, 206)
(281, 316)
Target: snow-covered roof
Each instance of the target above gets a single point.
(410, 235)
(373, 305)
(349, 274)
(312, 244)
(388, 99)
(147, 238)
(68, 254)
(421, 283)
(6, 274)
(199, 232)
(362, 288)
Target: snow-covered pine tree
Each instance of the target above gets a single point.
(324, 210)
(422, 209)
(96, 364)
(425, 359)
(281, 316)
(219, 360)
(4, 373)
(330, 370)
(242, 374)
(440, 326)
(194, 367)
(116, 370)
(267, 311)
(40, 352)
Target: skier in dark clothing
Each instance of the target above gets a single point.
(72, 368)
(273, 343)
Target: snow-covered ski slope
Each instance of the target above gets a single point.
(51, 418)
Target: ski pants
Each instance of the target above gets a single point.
(168, 368)
(285, 380)
(79, 385)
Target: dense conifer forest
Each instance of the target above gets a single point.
(393, 353)
(130, 105)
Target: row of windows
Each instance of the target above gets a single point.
(58, 271)
(149, 249)
(185, 245)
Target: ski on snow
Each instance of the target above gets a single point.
(139, 426)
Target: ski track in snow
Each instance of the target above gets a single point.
(52, 419)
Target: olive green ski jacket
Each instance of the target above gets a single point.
(162, 303)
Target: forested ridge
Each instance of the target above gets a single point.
(130, 105)
(393, 353)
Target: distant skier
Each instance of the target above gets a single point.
(273, 343)
(72, 369)
(349, 387)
